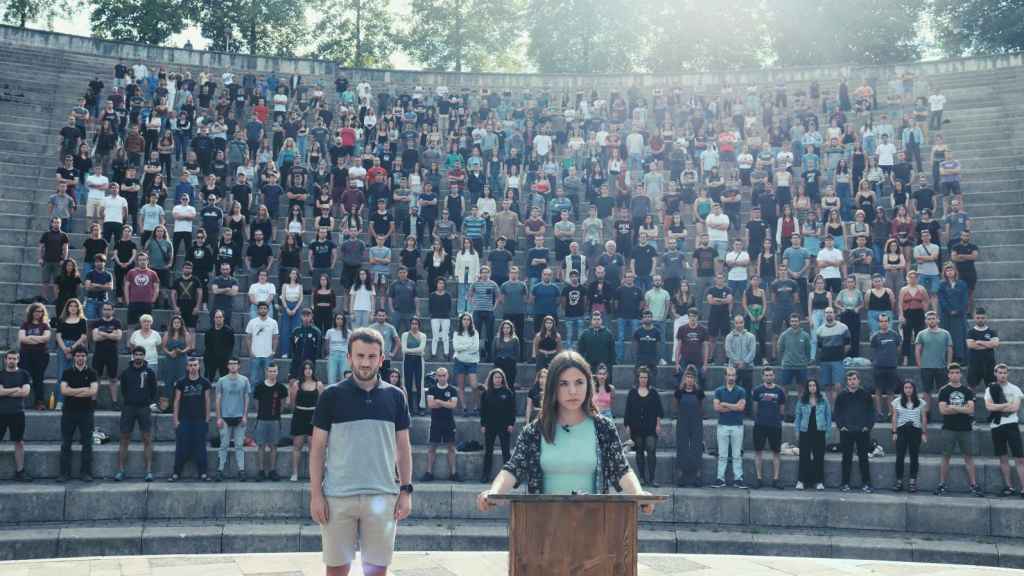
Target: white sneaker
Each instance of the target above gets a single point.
(59, 406)
(819, 486)
(799, 485)
(294, 478)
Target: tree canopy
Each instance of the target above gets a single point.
(461, 34)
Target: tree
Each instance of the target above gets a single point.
(146, 21)
(271, 27)
(965, 27)
(583, 35)
(697, 36)
(355, 33)
(458, 34)
(21, 12)
(805, 32)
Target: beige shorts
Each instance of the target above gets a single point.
(92, 207)
(366, 520)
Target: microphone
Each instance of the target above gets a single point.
(566, 428)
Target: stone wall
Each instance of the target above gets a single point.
(129, 51)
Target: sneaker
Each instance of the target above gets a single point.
(219, 476)
(977, 491)
(119, 476)
(844, 488)
(261, 477)
(455, 478)
(273, 476)
(22, 476)
(241, 476)
(1006, 491)
(897, 486)
(940, 490)
(173, 478)
(867, 489)
(204, 478)
(739, 484)
(148, 477)
(912, 486)
(777, 484)
(819, 487)
(799, 485)
(86, 478)
(115, 405)
(756, 485)
(427, 477)
(294, 478)
(719, 483)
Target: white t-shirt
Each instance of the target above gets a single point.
(140, 71)
(263, 292)
(830, 255)
(936, 102)
(886, 154)
(363, 89)
(1012, 392)
(715, 234)
(635, 143)
(151, 344)
(97, 185)
(113, 209)
(737, 273)
(542, 144)
(183, 225)
(262, 333)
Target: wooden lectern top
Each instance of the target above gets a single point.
(578, 498)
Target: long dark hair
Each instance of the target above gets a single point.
(562, 361)
(914, 400)
(472, 328)
(806, 397)
(492, 374)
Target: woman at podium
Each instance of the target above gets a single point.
(569, 448)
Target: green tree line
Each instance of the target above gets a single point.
(597, 36)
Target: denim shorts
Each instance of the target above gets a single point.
(464, 368)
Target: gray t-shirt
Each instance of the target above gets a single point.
(403, 296)
(933, 347)
(513, 295)
(232, 391)
(927, 268)
(389, 333)
(61, 205)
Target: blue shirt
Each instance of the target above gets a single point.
(723, 394)
(545, 299)
(795, 258)
(473, 226)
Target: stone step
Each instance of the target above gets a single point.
(42, 461)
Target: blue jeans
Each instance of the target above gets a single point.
(831, 374)
(360, 318)
(573, 326)
(258, 369)
(730, 439)
(463, 301)
(227, 434)
(93, 307)
(789, 375)
(817, 319)
(337, 364)
(737, 287)
(644, 283)
(627, 326)
(62, 364)
(286, 324)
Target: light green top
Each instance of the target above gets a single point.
(570, 464)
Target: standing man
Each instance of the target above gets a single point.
(934, 350)
(574, 302)
(191, 420)
(15, 386)
(854, 416)
(885, 356)
(307, 343)
(740, 350)
(956, 404)
(596, 343)
(53, 250)
(513, 298)
(629, 298)
(141, 288)
(392, 344)
(794, 353)
(769, 406)
(647, 347)
(79, 386)
(232, 409)
(982, 343)
(1003, 402)
(261, 334)
(138, 390)
(353, 494)
(833, 338)
(402, 297)
(730, 403)
(483, 297)
(692, 346)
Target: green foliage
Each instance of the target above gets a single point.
(146, 21)
(584, 35)
(355, 33)
(696, 35)
(965, 27)
(461, 34)
(272, 27)
(21, 12)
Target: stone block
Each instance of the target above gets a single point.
(309, 538)
(105, 501)
(425, 535)
(664, 512)
(108, 540)
(181, 540)
(805, 545)
(194, 501)
(252, 538)
(701, 506)
(656, 542)
(896, 548)
(479, 537)
(35, 503)
(1007, 518)
(964, 517)
(975, 553)
(25, 544)
(784, 509)
(704, 541)
(463, 505)
(265, 500)
(868, 512)
(436, 501)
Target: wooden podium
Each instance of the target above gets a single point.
(573, 535)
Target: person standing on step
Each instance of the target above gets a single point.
(33, 347)
(53, 250)
(353, 493)
(956, 405)
(769, 406)
(79, 386)
(15, 387)
(730, 403)
(854, 416)
(909, 423)
(642, 422)
(1002, 400)
(689, 401)
(497, 418)
(138, 385)
(982, 343)
(813, 422)
(232, 408)
(191, 419)
(934, 352)
(271, 398)
(141, 288)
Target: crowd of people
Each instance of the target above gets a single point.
(539, 222)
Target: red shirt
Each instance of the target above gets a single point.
(371, 174)
(142, 285)
(261, 112)
(348, 136)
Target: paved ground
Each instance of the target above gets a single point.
(474, 564)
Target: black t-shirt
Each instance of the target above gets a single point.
(69, 331)
(321, 250)
(193, 398)
(227, 253)
(958, 396)
(106, 347)
(648, 340)
(981, 358)
(269, 400)
(643, 259)
(53, 243)
(16, 379)
(966, 267)
(755, 231)
(444, 417)
(94, 246)
(201, 258)
(628, 301)
(923, 198)
(499, 260)
(381, 222)
(259, 255)
(186, 289)
(79, 379)
(575, 303)
(124, 250)
(705, 257)
(717, 292)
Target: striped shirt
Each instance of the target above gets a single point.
(909, 414)
(473, 227)
(485, 295)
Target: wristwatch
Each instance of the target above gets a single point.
(407, 488)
